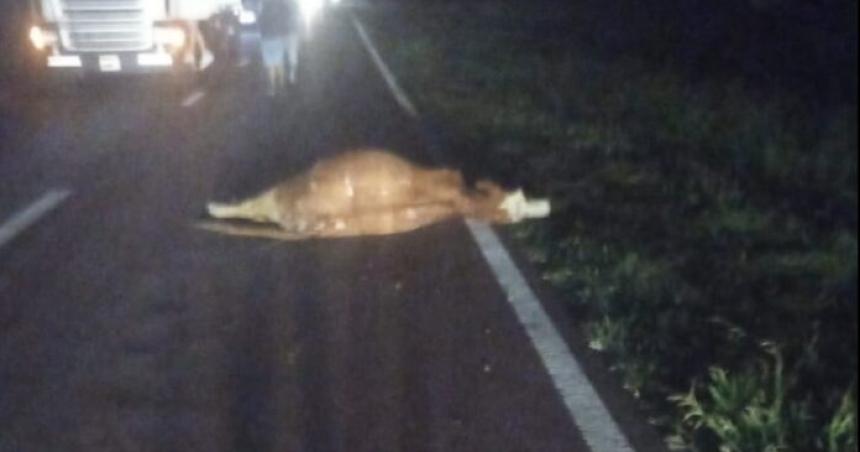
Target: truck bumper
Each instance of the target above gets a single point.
(124, 62)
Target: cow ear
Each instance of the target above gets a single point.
(488, 188)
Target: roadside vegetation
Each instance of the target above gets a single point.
(705, 222)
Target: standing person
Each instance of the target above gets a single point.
(279, 32)
(294, 29)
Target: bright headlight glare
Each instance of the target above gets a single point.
(310, 9)
(42, 38)
(171, 36)
(247, 17)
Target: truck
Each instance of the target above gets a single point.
(132, 36)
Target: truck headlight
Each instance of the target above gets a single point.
(41, 38)
(247, 17)
(169, 36)
(310, 9)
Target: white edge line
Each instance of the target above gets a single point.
(25, 218)
(590, 415)
(586, 409)
(399, 95)
(193, 98)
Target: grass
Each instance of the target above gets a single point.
(707, 230)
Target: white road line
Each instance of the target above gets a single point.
(193, 98)
(584, 405)
(597, 426)
(30, 215)
(399, 95)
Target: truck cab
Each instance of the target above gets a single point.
(121, 36)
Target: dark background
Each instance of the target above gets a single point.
(800, 45)
(805, 46)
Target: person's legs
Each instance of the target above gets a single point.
(269, 61)
(273, 59)
(272, 80)
(293, 55)
(279, 78)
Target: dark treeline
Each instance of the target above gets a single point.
(777, 46)
(796, 45)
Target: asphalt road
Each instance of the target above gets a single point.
(124, 329)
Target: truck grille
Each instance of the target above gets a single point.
(105, 25)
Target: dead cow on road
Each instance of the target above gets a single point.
(369, 192)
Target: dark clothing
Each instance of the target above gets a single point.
(278, 18)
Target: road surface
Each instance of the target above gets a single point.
(122, 328)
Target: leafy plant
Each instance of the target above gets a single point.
(840, 434)
(744, 411)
